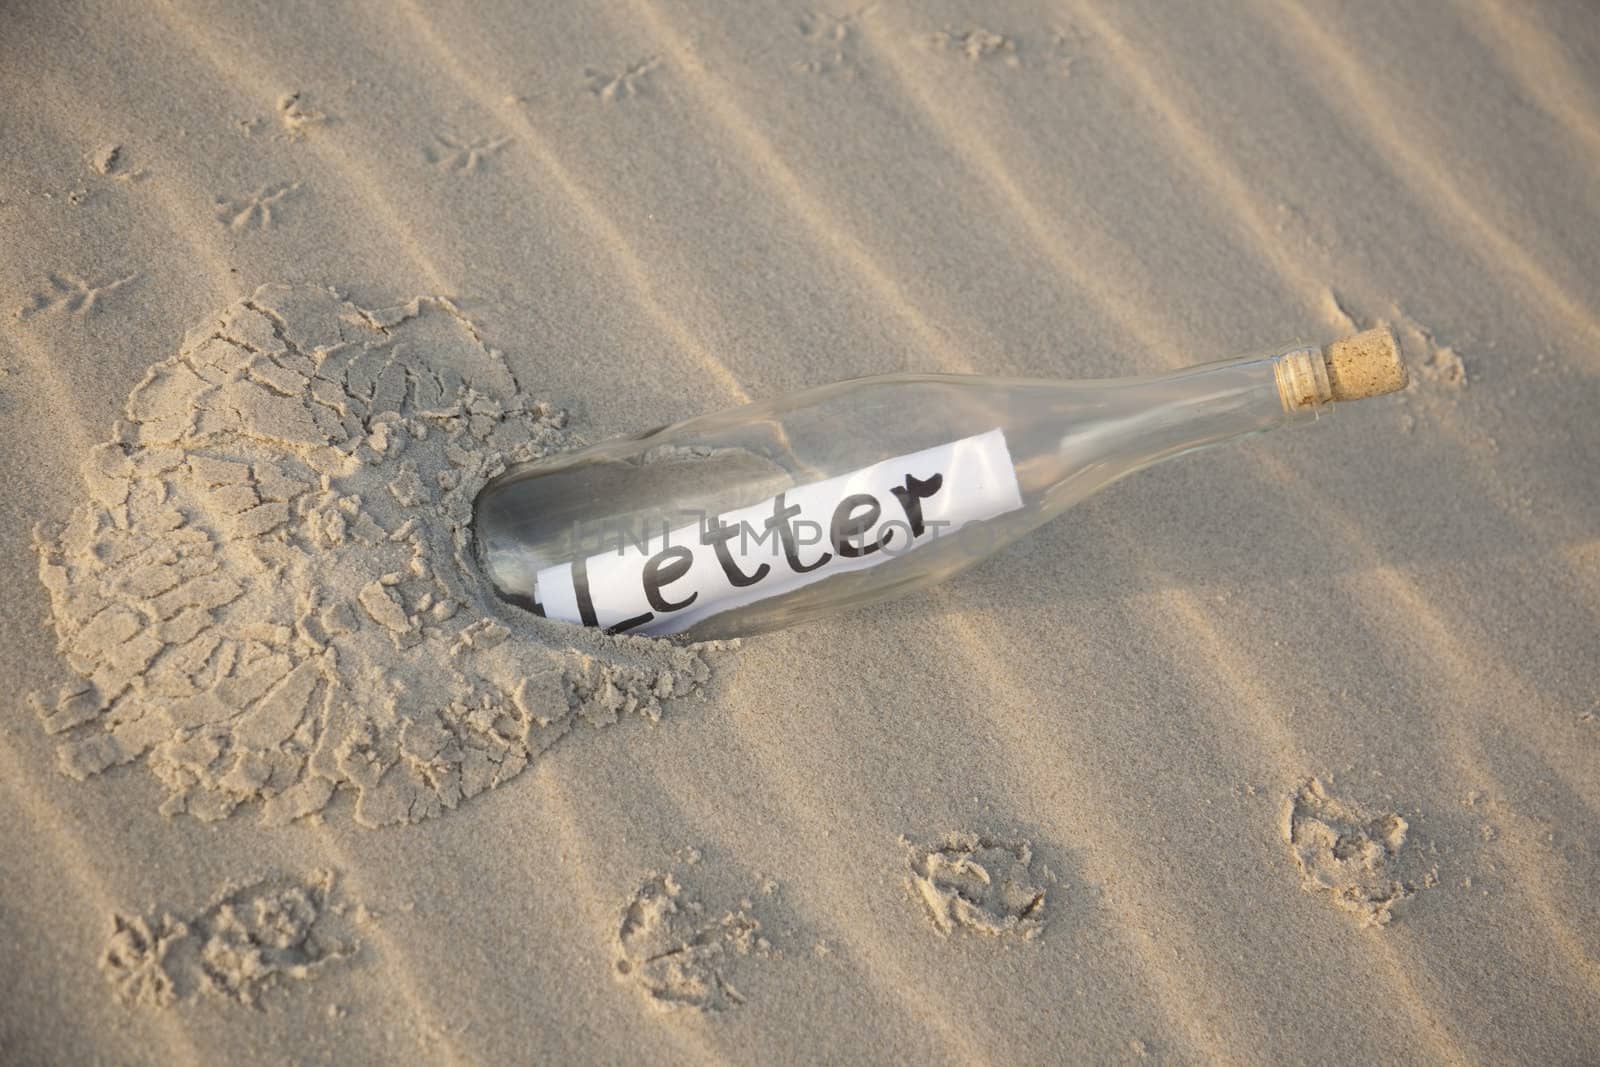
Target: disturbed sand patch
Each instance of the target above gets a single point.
(1360, 860)
(248, 939)
(270, 595)
(981, 885)
(677, 953)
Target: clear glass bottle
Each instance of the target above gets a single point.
(780, 511)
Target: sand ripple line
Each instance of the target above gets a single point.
(271, 597)
(248, 939)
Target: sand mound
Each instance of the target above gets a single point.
(271, 595)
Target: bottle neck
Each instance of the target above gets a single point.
(1134, 424)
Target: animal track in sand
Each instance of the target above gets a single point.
(465, 157)
(270, 595)
(1360, 860)
(978, 45)
(980, 885)
(111, 161)
(70, 293)
(1067, 46)
(611, 87)
(254, 211)
(677, 954)
(248, 939)
(106, 160)
(833, 42)
(296, 115)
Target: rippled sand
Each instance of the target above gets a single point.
(1285, 753)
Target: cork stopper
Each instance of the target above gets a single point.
(1367, 364)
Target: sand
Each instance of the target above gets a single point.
(272, 593)
(1281, 753)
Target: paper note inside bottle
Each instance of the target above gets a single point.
(666, 581)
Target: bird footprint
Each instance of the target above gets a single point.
(466, 157)
(609, 87)
(70, 293)
(253, 211)
(832, 40)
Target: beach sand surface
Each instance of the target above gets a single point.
(1284, 753)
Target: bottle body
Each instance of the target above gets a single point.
(777, 512)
